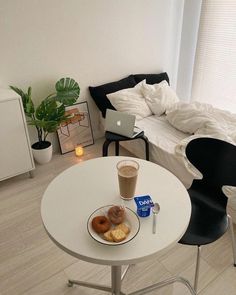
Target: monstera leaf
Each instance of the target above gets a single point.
(49, 114)
(68, 91)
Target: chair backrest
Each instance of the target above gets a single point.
(215, 159)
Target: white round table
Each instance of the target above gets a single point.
(78, 191)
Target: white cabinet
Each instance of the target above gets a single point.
(15, 148)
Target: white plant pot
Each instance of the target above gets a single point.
(42, 156)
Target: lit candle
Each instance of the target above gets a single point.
(79, 151)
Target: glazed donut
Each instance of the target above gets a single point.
(116, 214)
(101, 224)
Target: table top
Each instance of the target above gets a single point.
(78, 191)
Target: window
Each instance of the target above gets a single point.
(214, 77)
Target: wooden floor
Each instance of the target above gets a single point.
(30, 264)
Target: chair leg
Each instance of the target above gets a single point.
(197, 268)
(105, 148)
(117, 145)
(145, 139)
(231, 230)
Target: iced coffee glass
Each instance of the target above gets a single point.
(127, 176)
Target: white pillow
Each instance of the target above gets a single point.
(130, 100)
(159, 97)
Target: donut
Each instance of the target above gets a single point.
(101, 224)
(116, 214)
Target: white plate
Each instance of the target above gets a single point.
(131, 220)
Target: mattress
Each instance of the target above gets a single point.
(163, 139)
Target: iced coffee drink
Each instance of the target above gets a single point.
(127, 176)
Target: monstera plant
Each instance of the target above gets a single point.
(50, 113)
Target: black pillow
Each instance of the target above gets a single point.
(99, 93)
(151, 78)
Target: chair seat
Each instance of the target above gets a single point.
(211, 219)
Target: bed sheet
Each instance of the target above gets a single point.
(163, 139)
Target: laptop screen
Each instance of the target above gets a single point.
(120, 123)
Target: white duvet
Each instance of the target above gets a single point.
(202, 120)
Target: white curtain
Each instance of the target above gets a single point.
(214, 77)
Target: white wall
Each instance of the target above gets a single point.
(93, 41)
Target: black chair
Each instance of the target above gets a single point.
(216, 160)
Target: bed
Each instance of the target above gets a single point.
(162, 136)
(168, 128)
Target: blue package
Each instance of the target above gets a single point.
(144, 204)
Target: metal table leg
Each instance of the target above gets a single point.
(88, 285)
(116, 279)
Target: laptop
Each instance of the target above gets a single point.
(121, 123)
